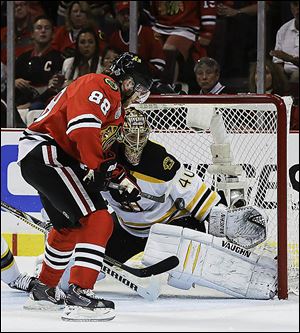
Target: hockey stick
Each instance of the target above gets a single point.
(158, 268)
(149, 196)
(150, 293)
(41, 226)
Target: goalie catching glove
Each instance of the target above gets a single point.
(130, 191)
(245, 226)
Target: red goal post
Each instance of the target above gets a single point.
(257, 129)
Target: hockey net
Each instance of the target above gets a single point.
(258, 145)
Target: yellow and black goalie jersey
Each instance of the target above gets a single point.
(161, 173)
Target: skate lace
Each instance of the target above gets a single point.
(22, 282)
(89, 293)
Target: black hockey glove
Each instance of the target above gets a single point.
(130, 191)
(97, 180)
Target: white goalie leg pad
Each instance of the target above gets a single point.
(211, 262)
(245, 226)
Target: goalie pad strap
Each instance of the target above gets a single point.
(211, 262)
(217, 221)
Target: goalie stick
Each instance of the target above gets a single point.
(149, 293)
(149, 196)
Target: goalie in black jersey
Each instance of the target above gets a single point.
(151, 169)
(176, 225)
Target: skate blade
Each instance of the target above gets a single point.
(42, 305)
(78, 313)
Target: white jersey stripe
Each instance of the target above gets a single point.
(32, 133)
(83, 116)
(70, 179)
(88, 256)
(205, 17)
(58, 252)
(209, 23)
(158, 60)
(60, 260)
(83, 125)
(82, 121)
(85, 258)
(91, 246)
(88, 265)
(57, 267)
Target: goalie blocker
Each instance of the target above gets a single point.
(212, 262)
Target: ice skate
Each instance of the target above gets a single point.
(43, 297)
(84, 305)
(23, 282)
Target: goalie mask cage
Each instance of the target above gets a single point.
(256, 126)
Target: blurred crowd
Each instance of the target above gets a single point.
(191, 47)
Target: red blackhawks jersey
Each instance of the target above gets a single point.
(75, 117)
(150, 48)
(185, 18)
(64, 41)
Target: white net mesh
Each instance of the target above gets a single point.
(252, 133)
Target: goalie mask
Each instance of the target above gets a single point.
(135, 134)
(133, 76)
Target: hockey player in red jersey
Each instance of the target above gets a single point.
(176, 224)
(65, 156)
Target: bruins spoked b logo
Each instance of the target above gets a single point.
(168, 163)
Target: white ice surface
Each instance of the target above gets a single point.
(196, 310)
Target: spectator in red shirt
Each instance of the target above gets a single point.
(150, 48)
(78, 16)
(102, 12)
(23, 23)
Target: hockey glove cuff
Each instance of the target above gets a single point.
(130, 191)
(100, 178)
